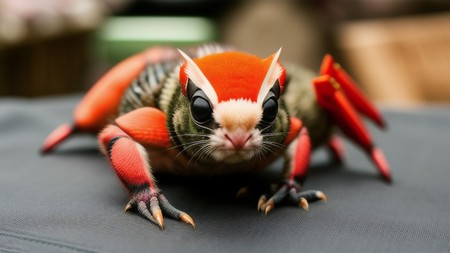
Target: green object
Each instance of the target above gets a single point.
(121, 37)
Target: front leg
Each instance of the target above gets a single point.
(297, 159)
(131, 164)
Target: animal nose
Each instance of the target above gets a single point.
(239, 139)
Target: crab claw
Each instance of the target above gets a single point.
(331, 96)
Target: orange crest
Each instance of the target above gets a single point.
(235, 75)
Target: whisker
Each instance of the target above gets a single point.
(197, 154)
(259, 153)
(268, 149)
(207, 152)
(203, 150)
(210, 151)
(187, 144)
(195, 143)
(191, 145)
(193, 135)
(274, 134)
(204, 127)
(203, 136)
(272, 148)
(274, 144)
(267, 127)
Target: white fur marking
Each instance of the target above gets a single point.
(238, 113)
(272, 75)
(196, 75)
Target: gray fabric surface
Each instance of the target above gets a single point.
(71, 201)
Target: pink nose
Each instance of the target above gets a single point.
(238, 140)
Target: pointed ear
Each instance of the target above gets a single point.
(275, 57)
(274, 73)
(190, 71)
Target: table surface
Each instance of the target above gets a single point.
(71, 201)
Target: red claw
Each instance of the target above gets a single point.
(351, 90)
(338, 94)
(381, 163)
(331, 97)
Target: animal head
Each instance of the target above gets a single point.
(234, 104)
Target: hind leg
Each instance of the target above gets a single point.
(336, 149)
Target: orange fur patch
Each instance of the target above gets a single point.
(233, 75)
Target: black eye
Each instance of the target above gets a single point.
(270, 110)
(276, 89)
(201, 109)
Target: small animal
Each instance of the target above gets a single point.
(216, 110)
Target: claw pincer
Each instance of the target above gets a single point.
(339, 95)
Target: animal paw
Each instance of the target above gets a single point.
(290, 192)
(153, 205)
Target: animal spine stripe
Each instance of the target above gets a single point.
(145, 90)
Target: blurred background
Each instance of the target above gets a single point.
(397, 50)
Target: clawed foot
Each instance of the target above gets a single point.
(153, 205)
(287, 192)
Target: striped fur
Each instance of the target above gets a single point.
(146, 89)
